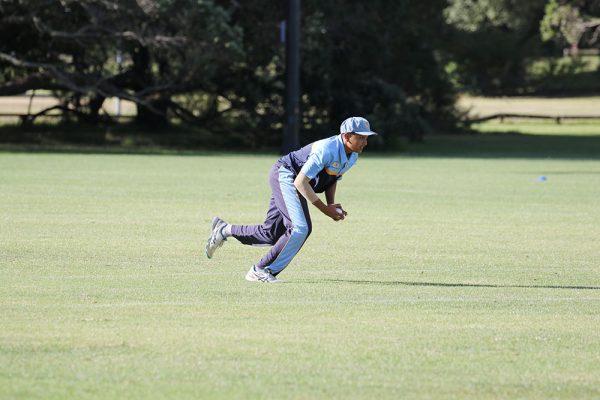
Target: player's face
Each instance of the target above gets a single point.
(356, 142)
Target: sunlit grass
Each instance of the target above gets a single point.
(566, 127)
(460, 277)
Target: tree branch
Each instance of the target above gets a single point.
(189, 116)
(96, 30)
(32, 82)
(101, 87)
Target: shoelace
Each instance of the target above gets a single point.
(213, 238)
(268, 275)
(262, 275)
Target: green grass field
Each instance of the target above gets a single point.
(457, 275)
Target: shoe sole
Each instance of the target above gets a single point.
(206, 248)
(253, 278)
(215, 221)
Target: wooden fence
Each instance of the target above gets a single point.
(557, 118)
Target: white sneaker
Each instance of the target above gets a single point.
(216, 238)
(257, 275)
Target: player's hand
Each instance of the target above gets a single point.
(335, 212)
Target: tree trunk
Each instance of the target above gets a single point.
(95, 106)
(155, 118)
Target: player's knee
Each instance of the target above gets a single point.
(302, 230)
(271, 234)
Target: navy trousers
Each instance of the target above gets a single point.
(286, 227)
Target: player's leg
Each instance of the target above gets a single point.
(296, 219)
(217, 236)
(265, 234)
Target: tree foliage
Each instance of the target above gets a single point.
(168, 47)
(491, 40)
(570, 22)
(220, 64)
(385, 65)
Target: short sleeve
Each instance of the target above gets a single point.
(314, 164)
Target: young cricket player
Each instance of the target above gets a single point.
(295, 180)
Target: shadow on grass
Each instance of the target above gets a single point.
(124, 139)
(478, 145)
(116, 150)
(474, 285)
(508, 145)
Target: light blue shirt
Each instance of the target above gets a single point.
(328, 155)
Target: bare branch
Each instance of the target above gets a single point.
(147, 6)
(31, 82)
(190, 117)
(595, 35)
(96, 30)
(66, 82)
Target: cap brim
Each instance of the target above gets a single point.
(368, 133)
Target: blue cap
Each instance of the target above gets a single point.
(357, 125)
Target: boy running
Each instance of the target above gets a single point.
(295, 180)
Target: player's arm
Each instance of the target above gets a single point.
(302, 184)
(330, 197)
(330, 193)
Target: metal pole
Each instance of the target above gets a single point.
(119, 60)
(292, 71)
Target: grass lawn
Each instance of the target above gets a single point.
(459, 276)
(570, 129)
(477, 106)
